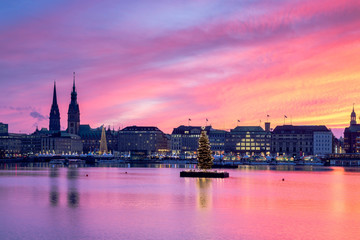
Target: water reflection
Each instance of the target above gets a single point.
(73, 194)
(204, 192)
(54, 191)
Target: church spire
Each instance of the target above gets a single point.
(54, 124)
(353, 116)
(54, 95)
(74, 83)
(73, 112)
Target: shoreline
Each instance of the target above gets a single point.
(92, 161)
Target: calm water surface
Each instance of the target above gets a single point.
(155, 203)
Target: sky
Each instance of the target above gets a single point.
(160, 63)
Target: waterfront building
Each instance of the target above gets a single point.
(61, 143)
(352, 135)
(4, 128)
(10, 145)
(299, 140)
(91, 138)
(248, 140)
(217, 140)
(54, 123)
(14, 144)
(73, 112)
(185, 140)
(30, 144)
(338, 145)
(323, 142)
(142, 139)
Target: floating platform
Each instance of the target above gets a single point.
(204, 174)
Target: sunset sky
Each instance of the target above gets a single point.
(159, 63)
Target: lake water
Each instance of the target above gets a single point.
(155, 203)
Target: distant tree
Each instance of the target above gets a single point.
(205, 158)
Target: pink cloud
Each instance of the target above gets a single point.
(297, 59)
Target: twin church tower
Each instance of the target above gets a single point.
(73, 113)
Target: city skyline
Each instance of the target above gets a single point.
(204, 59)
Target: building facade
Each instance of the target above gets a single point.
(323, 143)
(296, 141)
(185, 140)
(4, 128)
(217, 140)
(352, 135)
(149, 140)
(248, 140)
(61, 143)
(10, 146)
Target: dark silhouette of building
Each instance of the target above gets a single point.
(4, 128)
(54, 124)
(217, 140)
(353, 117)
(61, 143)
(73, 112)
(185, 140)
(352, 135)
(148, 140)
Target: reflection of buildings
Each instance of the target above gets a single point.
(352, 135)
(73, 194)
(54, 192)
(248, 140)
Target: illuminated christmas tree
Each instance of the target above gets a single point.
(205, 158)
(103, 144)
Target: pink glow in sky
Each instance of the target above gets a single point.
(162, 62)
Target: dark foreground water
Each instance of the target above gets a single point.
(155, 203)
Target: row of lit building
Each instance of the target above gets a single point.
(183, 141)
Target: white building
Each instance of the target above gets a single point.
(322, 143)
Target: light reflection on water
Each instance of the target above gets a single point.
(38, 202)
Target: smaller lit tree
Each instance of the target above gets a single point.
(205, 158)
